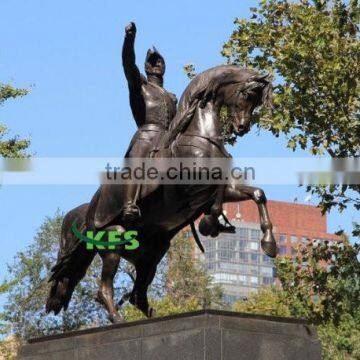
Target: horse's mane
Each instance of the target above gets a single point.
(203, 88)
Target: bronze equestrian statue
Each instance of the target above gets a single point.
(195, 132)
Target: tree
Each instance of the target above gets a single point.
(186, 277)
(312, 48)
(24, 311)
(13, 147)
(186, 286)
(325, 279)
(320, 284)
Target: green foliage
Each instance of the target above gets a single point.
(325, 279)
(24, 311)
(13, 147)
(164, 307)
(189, 70)
(312, 50)
(341, 341)
(320, 284)
(186, 285)
(187, 280)
(266, 301)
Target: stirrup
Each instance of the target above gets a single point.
(131, 213)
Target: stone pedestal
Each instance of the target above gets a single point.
(201, 335)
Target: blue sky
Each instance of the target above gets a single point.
(69, 53)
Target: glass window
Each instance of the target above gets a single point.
(254, 245)
(210, 266)
(242, 244)
(210, 255)
(232, 244)
(223, 244)
(243, 233)
(253, 269)
(304, 240)
(229, 298)
(282, 238)
(267, 280)
(254, 257)
(282, 250)
(268, 271)
(224, 255)
(255, 234)
(243, 256)
(254, 280)
(293, 239)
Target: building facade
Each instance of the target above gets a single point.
(236, 261)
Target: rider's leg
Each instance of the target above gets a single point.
(131, 212)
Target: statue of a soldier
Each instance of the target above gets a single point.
(152, 106)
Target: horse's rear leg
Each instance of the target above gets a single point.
(238, 192)
(145, 273)
(105, 294)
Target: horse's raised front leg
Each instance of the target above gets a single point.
(105, 294)
(239, 192)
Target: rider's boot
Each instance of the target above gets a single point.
(131, 213)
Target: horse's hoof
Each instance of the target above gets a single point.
(151, 312)
(115, 318)
(208, 226)
(99, 300)
(268, 244)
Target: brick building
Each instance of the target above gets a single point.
(236, 261)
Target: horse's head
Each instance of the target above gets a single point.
(240, 91)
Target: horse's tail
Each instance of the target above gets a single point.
(73, 261)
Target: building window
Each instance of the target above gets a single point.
(242, 244)
(210, 266)
(282, 250)
(243, 257)
(304, 240)
(266, 280)
(232, 244)
(229, 298)
(293, 239)
(254, 257)
(254, 280)
(242, 279)
(224, 255)
(282, 238)
(267, 271)
(254, 246)
(243, 233)
(255, 234)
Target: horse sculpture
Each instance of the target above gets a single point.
(195, 132)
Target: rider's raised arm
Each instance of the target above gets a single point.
(132, 72)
